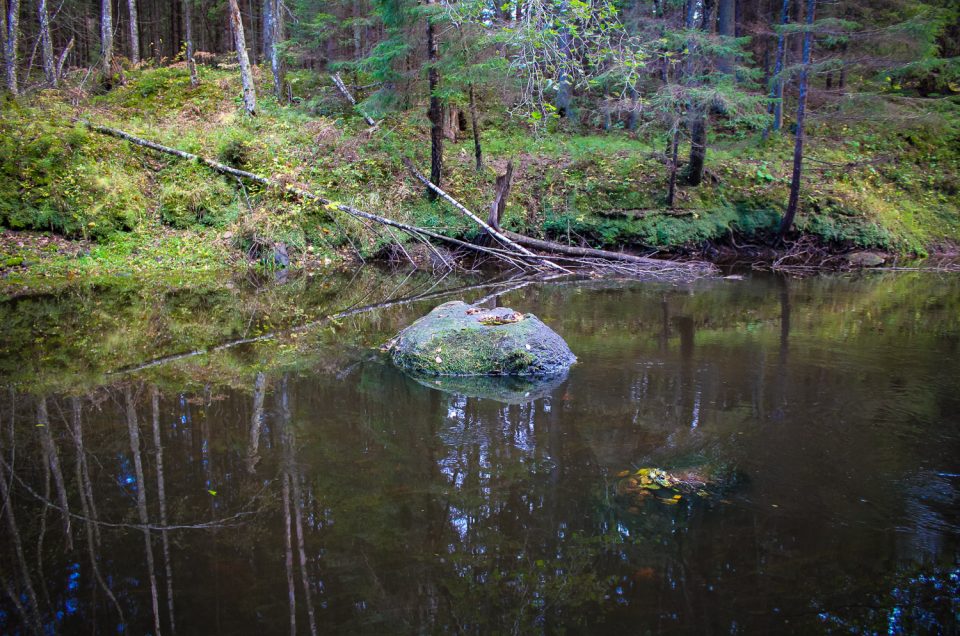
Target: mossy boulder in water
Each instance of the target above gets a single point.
(458, 339)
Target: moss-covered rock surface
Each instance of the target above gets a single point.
(458, 339)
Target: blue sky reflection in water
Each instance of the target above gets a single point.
(305, 479)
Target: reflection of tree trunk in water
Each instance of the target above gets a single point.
(162, 497)
(294, 476)
(134, 432)
(43, 523)
(291, 587)
(256, 422)
(83, 473)
(664, 325)
(88, 508)
(18, 549)
(685, 326)
(780, 398)
(53, 461)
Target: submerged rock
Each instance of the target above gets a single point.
(457, 339)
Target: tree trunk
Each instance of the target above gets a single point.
(726, 26)
(794, 201)
(776, 89)
(188, 36)
(477, 150)
(63, 57)
(276, 34)
(46, 44)
(697, 112)
(10, 44)
(674, 148)
(564, 87)
(246, 77)
(134, 32)
(502, 191)
(106, 37)
(266, 23)
(435, 113)
(698, 146)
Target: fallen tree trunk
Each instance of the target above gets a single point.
(589, 252)
(504, 183)
(519, 249)
(306, 194)
(346, 93)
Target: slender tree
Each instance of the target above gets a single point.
(776, 81)
(794, 201)
(134, 32)
(106, 36)
(246, 76)
(435, 112)
(273, 25)
(46, 44)
(188, 36)
(11, 36)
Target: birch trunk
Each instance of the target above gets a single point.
(134, 32)
(276, 36)
(246, 76)
(10, 43)
(188, 34)
(46, 44)
(106, 35)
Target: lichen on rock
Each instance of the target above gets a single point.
(457, 339)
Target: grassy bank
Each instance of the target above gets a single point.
(868, 184)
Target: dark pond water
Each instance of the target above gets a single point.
(301, 478)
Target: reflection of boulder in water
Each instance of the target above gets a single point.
(509, 389)
(457, 339)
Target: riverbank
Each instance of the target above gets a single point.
(869, 187)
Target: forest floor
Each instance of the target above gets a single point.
(883, 177)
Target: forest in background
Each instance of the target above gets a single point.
(682, 126)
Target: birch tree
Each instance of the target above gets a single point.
(106, 36)
(46, 44)
(188, 36)
(11, 34)
(134, 32)
(246, 76)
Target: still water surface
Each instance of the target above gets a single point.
(300, 484)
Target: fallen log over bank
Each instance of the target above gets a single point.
(412, 230)
(476, 219)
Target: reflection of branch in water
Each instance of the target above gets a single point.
(134, 431)
(162, 496)
(214, 524)
(337, 316)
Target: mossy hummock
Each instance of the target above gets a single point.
(458, 339)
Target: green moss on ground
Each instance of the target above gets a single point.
(867, 185)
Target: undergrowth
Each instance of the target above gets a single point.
(867, 185)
